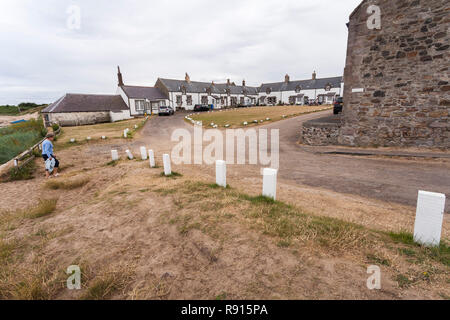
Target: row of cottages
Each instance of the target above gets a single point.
(185, 94)
(301, 92)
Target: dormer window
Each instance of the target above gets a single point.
(328, 87)
(183, 89)
(268, 91)
(298, 89)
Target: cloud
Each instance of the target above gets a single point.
(259, 41)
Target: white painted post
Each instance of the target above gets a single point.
(129, 154)
(270, 183)
(16, 164)
(221, 173)
(114, 155)
(429, 218)
(167, 166)
(151, 155)
(125, 133)
(143, 153)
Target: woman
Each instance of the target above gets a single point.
(47, 153)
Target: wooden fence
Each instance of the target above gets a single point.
(28, 155)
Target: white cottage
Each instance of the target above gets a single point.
(141, 100)
(301, 92)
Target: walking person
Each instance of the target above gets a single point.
(47, 153)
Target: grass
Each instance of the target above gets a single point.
(173, 175)
(42, 209)
(96, 131)
(16, 138)
(289, 225)
(105, 285)
(24, 109)
(58, 184)
(26, 172)
(236, 117)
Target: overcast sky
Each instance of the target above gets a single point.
(43, 55)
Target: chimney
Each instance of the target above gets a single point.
(314, 76)
(119, 76)
(243, 83)
(228, 82)
(187, 78)
(286, 78)
(212, 83)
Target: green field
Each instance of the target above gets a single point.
(22, 108)
(17, 138)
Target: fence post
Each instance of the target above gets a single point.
(143, 153)
(129, 154)
(114, 155)
(270, 183)
(151, 155)
(167, 166)
(429, 218)
(221, 173)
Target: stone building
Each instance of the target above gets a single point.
(84, 109)
(397, 75)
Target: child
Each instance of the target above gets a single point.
(47, 153)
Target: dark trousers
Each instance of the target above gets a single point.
(56, 160)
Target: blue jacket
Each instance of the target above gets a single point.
(47, 148)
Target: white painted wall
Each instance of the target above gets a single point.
(120, 115)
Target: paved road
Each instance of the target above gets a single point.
(380, 178)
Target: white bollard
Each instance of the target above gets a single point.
(167, 166)
(129, 154)
(429, 218)
(103, 137)
(114, 155)
(125, 133)
(16, 164)
(143, 153)
(270, 183)
(221, 173)
(151, 156)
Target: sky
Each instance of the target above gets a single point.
(53, 47)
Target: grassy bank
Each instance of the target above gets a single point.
(22, 108)
(17, 138)
(236, 117)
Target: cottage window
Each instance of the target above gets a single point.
(189, 100)
(140, 105)
(179, 99)
(242, 100)
(292, 99)
(204, 99)
(272, 100)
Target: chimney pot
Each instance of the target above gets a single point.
(314, 75)
(286, 78)
(119, 77)
(187, 78)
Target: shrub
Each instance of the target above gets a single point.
(66, 184)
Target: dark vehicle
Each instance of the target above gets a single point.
(201, 107)
(165, 111)
(338, 104)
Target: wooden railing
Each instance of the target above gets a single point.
(28, 155)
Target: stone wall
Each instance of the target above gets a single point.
(403, 69)
(318, 133)
(67, 119)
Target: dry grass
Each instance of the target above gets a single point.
(66, 184)
(109, 282)
(110, 130)
(236, 117)
(43, 208)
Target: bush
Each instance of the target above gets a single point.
(55, 127)
(24, 173)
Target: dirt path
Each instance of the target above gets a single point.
(390, 180)
(6, 120)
